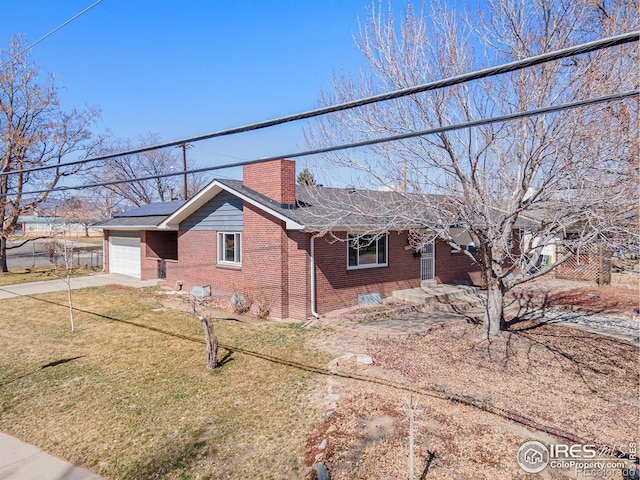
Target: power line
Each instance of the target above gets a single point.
(459, 126)
(438, 84)
(50, 33)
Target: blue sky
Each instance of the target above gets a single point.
(180, 69)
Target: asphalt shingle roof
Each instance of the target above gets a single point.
(147, 216)
(317, 208)
(153, 209)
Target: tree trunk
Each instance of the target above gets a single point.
(3, 255)
(211, 342)
(69, 298)
(494, 322)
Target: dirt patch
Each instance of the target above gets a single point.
(577, 296)
(608, 300)
(478, 401)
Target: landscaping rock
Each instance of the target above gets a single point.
(333, 365)
(333, 397)
(323, 444)
(328, 414)
(363, 359)
(322, 471)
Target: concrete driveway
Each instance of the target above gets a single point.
(98, 280)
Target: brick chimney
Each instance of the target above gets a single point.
(275, 179)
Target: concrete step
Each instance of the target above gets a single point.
(435, 294)
(463, 303)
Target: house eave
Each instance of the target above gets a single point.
(128, 227)
(172, 222)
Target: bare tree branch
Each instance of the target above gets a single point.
(522, 191)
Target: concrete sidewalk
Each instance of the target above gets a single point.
(100, 279)
(21, 461)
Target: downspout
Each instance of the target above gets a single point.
(312, 274)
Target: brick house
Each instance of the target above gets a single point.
(258, 236)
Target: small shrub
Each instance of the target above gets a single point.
(264, 307)
(241, 301)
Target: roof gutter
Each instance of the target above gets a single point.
(312, 277)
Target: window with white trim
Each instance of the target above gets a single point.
(229, 248)
(366, 251)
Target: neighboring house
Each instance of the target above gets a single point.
(37, 225)
(257, 236)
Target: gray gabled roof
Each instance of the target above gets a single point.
(356, 209)
(153, 209)
(317, 209)
(145, 217)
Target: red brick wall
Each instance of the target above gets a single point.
(264, 274)
(275, 179)
(265, 260)
(299, 270)
(454, 266)
(161, 245)
(337, 287)
(197, 265)
(149, 266)
(153, 246)
(105, 251)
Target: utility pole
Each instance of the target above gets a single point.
(184, 147)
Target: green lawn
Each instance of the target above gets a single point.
(128, 395)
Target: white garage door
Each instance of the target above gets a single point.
(124, 253)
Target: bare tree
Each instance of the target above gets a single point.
(201, 308)
(107, 202)
(564, 180)
(65, 250)
(83, 211)
(146, 164)
(35, 132)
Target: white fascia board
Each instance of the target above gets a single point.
(172, 222)
(128, 227)
(210, 191)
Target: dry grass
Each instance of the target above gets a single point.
(37, 274)
(128, 396)
(628, 279)
(567, 386)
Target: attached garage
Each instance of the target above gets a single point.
(124, 253)
(124, 231)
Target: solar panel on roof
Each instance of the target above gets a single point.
(158, 208)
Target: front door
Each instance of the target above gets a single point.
(427, 263)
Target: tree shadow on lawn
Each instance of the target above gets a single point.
(590, 351)
(229, 348)
(569, 335)
(172, 456)
(42, 367)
